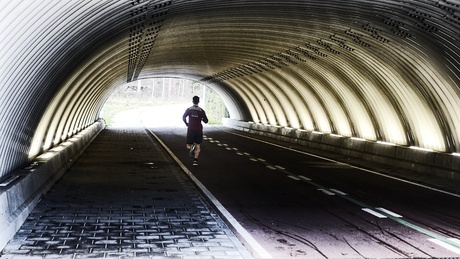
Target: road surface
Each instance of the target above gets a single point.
(296, 205)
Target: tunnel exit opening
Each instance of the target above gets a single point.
(159, 102)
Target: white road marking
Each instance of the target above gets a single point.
(326, 192)
(391, 213)
(305, 178)
(253, 159)
(339, 192)
(294, 177)
(352, 166)
(451, 247)
(447, 246)
(225, 213)
(375, 213)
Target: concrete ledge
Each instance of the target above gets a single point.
(30, 183)
(413, 160)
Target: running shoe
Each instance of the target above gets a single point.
(195, 162)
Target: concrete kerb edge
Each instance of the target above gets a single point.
(427, 163)
(19, 198)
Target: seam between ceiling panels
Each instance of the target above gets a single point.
(146, 20)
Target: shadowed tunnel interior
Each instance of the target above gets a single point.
(384, 71)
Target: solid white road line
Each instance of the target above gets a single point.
(352, 166)
(225, 213)
(447, 246)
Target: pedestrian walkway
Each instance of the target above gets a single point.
(124, 198)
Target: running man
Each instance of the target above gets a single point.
(195, 129)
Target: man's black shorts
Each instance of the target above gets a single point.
(194, 137)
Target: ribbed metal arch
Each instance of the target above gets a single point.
(320, 113)
(386, 70)
(363, 121)
(55, 125)
(260, 110)
(276, 99)
(291, 86)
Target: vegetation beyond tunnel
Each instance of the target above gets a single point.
(159, 95)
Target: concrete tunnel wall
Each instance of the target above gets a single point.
(385, 72)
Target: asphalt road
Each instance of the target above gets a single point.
(296, 205)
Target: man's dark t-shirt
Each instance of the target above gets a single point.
(195, 116)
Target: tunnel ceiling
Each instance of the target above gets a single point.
(379, 70)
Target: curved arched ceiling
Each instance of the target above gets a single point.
(380, 70)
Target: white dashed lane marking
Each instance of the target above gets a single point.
(338, 192)
(326, 192)
(375, 213)
(294, 177)
(391, 213)
(304, 178)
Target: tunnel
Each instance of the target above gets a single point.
(374, 79)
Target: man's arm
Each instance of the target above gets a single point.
(184, 117)
(205, 118)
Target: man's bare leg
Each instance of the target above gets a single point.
(197, 150)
